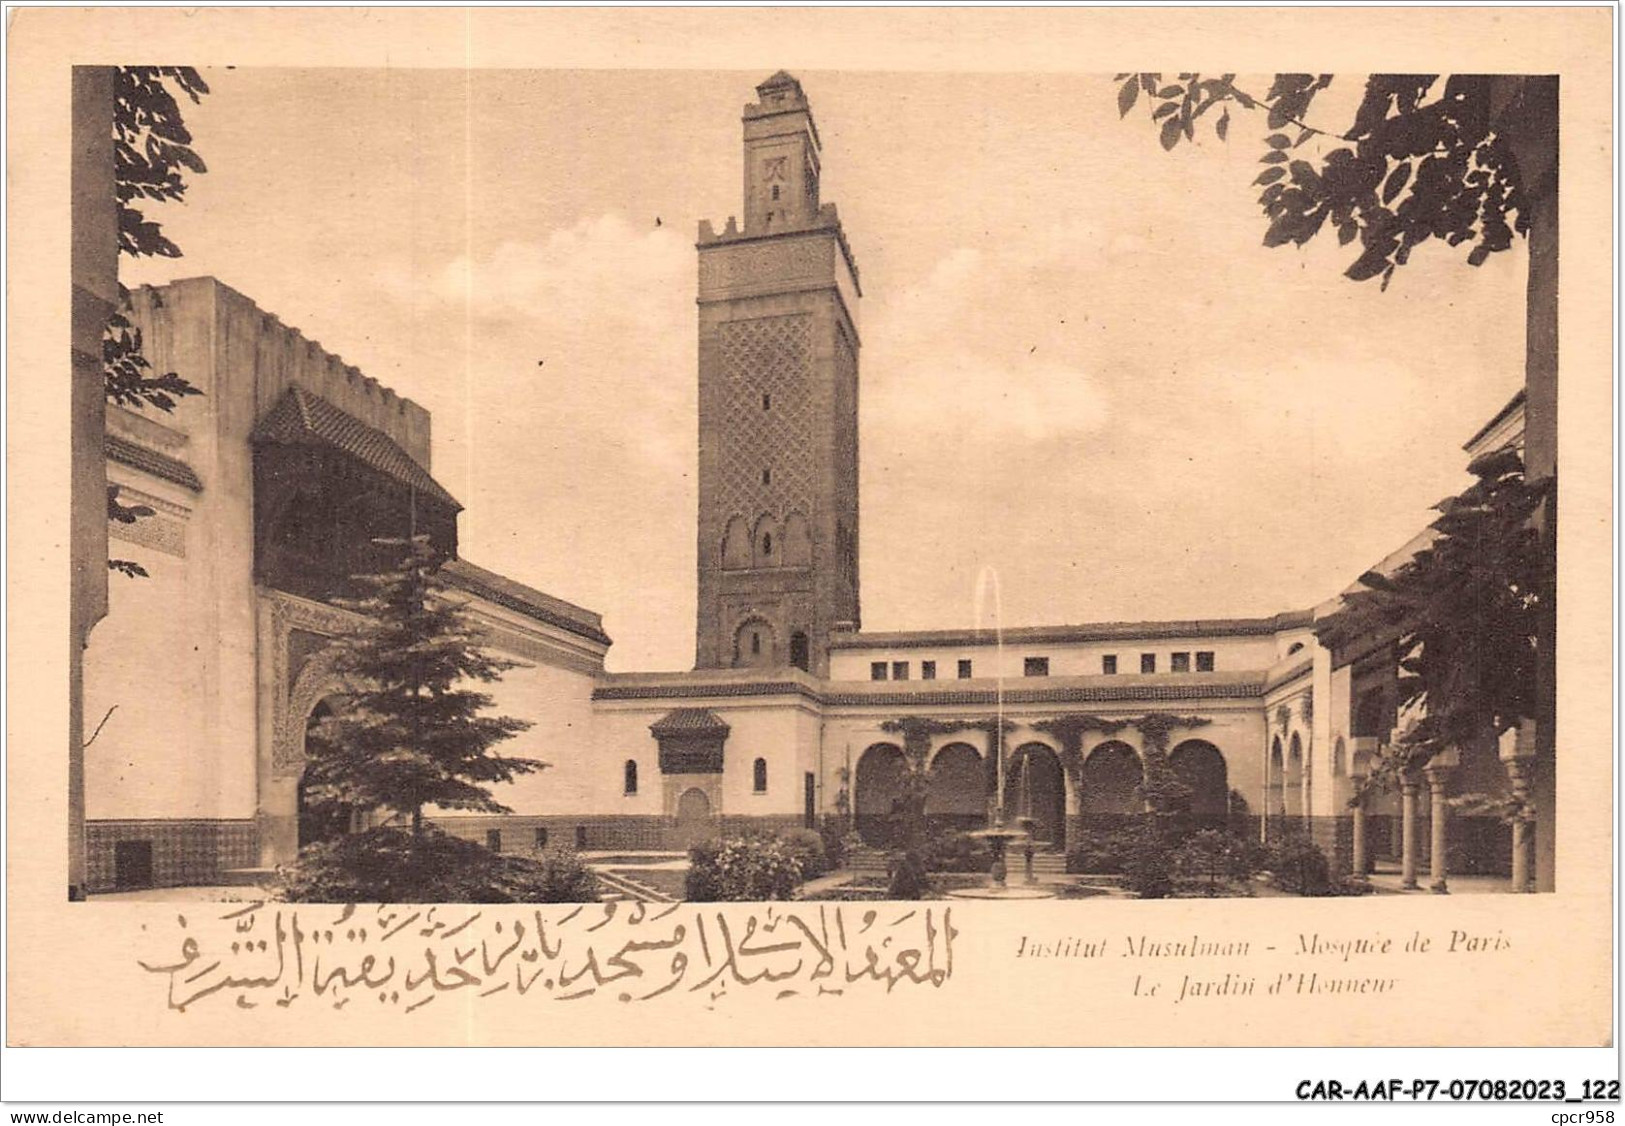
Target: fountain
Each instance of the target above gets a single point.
(998, 836)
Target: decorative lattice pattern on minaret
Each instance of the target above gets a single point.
(769, 356)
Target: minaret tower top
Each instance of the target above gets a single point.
(781, 158)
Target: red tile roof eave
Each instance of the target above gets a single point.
(302, 418)
(159, 465)
(523, 600)
(1058, 635)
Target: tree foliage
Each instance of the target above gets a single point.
(1462, 614)
(152, 149)
(411, 733)
(1426, 156)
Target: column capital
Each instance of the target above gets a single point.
(1518, 741)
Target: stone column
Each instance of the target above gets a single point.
(1438, 775)
(1357, 824)
(1073, 785)
(1523, 838)
(1407, 830)
(1517, 756)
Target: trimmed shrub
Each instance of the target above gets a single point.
(742, 869)
(1150, 867)
(908, 879)
(1104, 853)
(564, 879)
(1208, 857)
(807, 846)
(390, 865)
(703, 883)
(1300, 866)
(953, 852)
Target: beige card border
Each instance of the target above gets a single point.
(70, 977)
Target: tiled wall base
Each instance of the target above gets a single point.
(189, 851)
(526, 834)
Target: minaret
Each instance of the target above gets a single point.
(778, 406)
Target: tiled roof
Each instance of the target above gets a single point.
(151, 461)
(532, 603)
(689, 721)
(951, 693)
(1095, 631)
(300, 418)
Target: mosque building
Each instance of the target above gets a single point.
(268, 489)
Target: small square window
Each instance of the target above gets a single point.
(1108, 664)
(899, 670)
(1148, 662)
(1204, 662)
(877, 670)
(928, 670)
(964, 670)
(1035, 666)
(493, 839)
(1179, 662)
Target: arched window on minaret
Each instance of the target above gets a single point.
(736, 545)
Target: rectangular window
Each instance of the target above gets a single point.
(493, 839)
(1179, 662)
(877, 670)
(541, 838)
(928, 670)
(1204, 662)
(1148, 662)
(899, 670)
(1108, 664)
(1035, 666)
(964, 670)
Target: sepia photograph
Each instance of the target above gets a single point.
(747, 534)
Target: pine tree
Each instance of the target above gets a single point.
(412, 734)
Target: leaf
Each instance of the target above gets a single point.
(1171, 91)
(1347, 232)
(1278, 141)
(1170, 132)
(1302, 137)
(1273, 158)
(1127, 96)
(1373, 262)
(1270, 175)
(1223, 126)
(1164, 110)
(1478, 255)
(1397, 180)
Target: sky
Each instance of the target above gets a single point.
(1080, 368)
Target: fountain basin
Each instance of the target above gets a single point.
(1019, 891)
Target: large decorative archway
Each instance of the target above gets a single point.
(1111, 781)
(319, 822)
(1035, 787)
(956, 789)
(881, 783)
(1200, 765)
